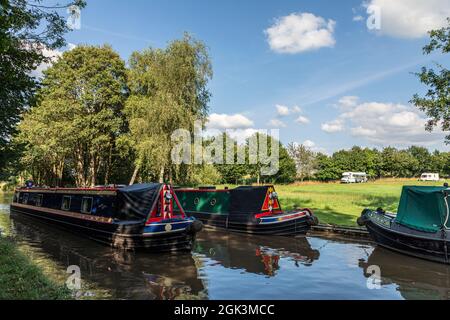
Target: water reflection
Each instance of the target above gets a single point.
(126, 275)
(231, 266)
(415, 278)
(255, 254)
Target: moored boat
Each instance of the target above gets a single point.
(421, 227)
(254, 210)
(141, 216)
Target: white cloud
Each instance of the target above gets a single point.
(296, 109)
(71, 46)
(300, 32)
(411, 18)
(276, 123)
(309, 144)
(348, 102)
(282, 110)
(54, 55)
(386, 124)
(225, 121)
(358, 18)
(302, 120)
(333, 126)
(360, 131)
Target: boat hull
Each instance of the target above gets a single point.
(391, 235)
(125, 235)
(288, 224)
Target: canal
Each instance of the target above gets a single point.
(230, 266)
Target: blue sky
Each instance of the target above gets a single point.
(351, 84)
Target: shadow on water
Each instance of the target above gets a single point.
(415, 278)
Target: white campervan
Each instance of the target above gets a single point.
(354, 177)
(429, 177)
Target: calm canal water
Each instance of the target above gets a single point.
(230, 266)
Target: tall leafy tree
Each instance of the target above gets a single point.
(168, 92)
(78, 115)
(235, 172)
(436, 102)
(305, 160)
(27, 28)
(423, 160)
(327, 168)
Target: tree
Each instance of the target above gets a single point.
(168, 92)
(205, 175)
(233, 173)
(436, 102)
(78, 116)
(305, 160)
(423, 160)
(26, 29)
(327, 168)
(287, 170)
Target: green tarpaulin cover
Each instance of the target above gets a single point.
(422, 208)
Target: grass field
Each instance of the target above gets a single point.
(341, 204)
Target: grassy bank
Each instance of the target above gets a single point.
(21, 279)
(342, 204)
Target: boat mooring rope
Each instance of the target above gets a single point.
(448, 211)
(444, 229)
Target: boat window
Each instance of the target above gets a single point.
(86, 204)
(16, 197)
(213, 202)
(38, 200)
(66, 203)
(25, 198)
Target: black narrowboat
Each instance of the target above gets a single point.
(253, 210)
(421, 227)
(141, 216)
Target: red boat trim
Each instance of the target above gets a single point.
(284, 217)
(65, 213)
(268, 214)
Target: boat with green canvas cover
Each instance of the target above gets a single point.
(254, 210)
(420, 228)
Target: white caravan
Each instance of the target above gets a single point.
(429, 177)
(354, 177)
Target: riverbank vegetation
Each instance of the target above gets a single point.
(20, 279)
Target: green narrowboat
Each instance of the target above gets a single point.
(421, 227)
(254, 210)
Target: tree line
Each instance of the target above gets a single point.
(388, 162)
